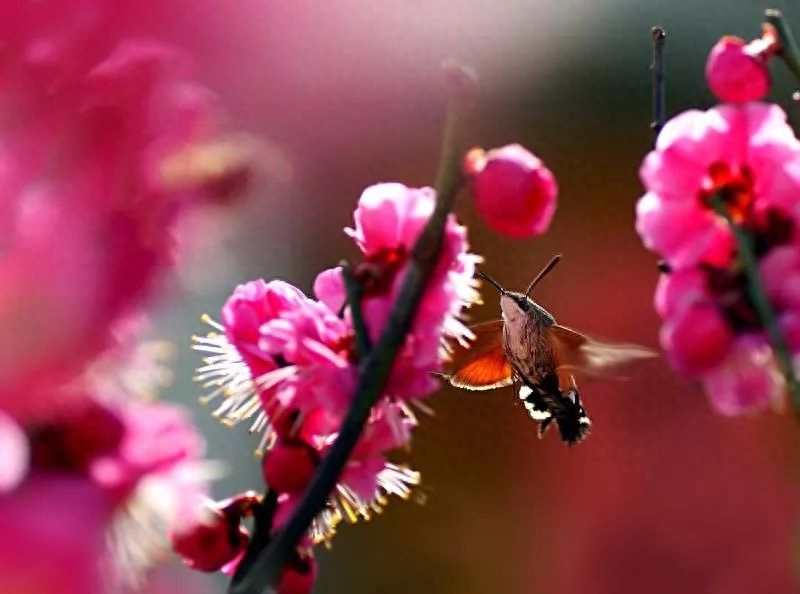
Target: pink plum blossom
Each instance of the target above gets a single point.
(54, 536)
(515, 192)
(696, 338)
(388, 220)
(289, 362)
(747, 379)
(93, 132)
(745, 154)
(139, 463)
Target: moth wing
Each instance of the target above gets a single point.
(483, 364)
(577, 352)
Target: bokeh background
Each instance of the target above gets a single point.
(664, 496)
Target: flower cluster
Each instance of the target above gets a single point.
(721, 209)
(289, 363)
(103, 144)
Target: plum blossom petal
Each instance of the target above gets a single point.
(748, 379)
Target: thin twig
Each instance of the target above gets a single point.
(789, 51)
(354, 294)
(658, 38)
(263, 514)
(374, 369)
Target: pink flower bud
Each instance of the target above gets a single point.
(289, 466)
(736, 72)
(696, 338)
(212, 543)
(514, 191)
(298, 577)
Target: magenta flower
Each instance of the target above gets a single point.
(140, 462)
(289, 362)
(96, 136)
(515, 193)
(388, 221)
(278, 352)
(696, 338)
(732, 166)
(747, 154)
(747, 379)
(39, 551)
(736, 72)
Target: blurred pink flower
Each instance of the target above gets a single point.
(515, 193)
(736, 72)
(746, 154)
(54, 536)
(142, 460)
(94, 132)
(696, 337)
(780, 272)
(747, 379)
(679, 289)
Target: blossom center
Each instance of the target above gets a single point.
(376, 274)
(734, 186)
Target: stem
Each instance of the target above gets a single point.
(658, 38)
(789, 51)
(263, 513)
(354, 295)
(374, 369)
(758, 296)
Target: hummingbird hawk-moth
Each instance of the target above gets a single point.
(527, 347)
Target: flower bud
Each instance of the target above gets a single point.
(514, 192)
(736, 72)
(289, 466)
(298, 576)
(211, 543)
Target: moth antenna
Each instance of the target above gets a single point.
(550, 265)
(490, 280)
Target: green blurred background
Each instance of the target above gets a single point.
(664, 496)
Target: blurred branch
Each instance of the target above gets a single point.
(374, 369)
(658, 38)
(263, 514)
(789, 50)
